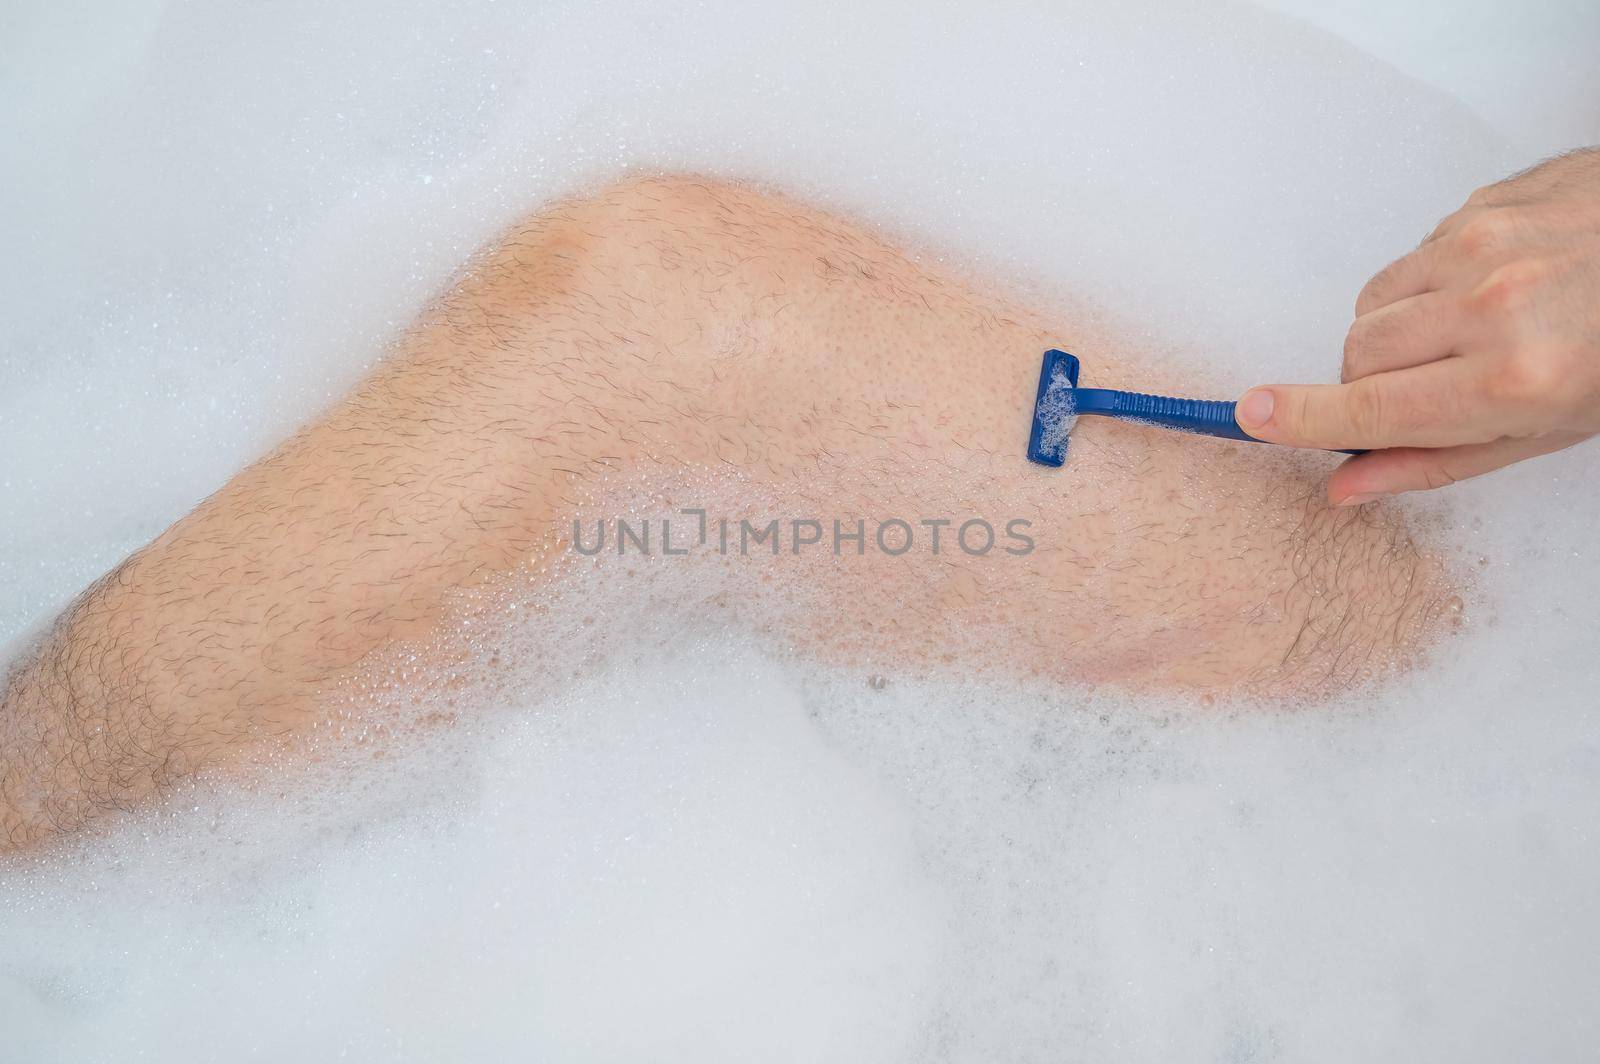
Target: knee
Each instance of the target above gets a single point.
(680, 242)
(667, 282)
(683, 204)
(651, 267)
(683, 286)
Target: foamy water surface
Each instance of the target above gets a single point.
(692, 845)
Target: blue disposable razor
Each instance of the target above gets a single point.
(1061, 402)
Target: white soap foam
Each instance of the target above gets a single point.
(1056, 412)
(699, 849)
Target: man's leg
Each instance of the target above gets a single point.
(667, 326)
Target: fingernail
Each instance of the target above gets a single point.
(1255, 408)
(1357, 500)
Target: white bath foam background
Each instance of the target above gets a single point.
(219, 214)
(1511, 63)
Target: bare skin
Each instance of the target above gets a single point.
(666, 326)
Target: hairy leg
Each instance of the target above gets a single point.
(661, 327)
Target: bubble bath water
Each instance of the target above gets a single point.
(693, 843)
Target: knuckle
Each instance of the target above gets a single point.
(1371, 296)
(1508, 290)
(1487, 196)
(1483, 234)
(1449, 223)
(1525, 378)
(1366, 411)
(1439, 476)
(1367, 341)
(1355, 343)
(1298, 419)
(1402, 277)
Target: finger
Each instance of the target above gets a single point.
(1439, 404)
(1370, 476)
(1407, 333)
(1452, 221)
(1407, 276)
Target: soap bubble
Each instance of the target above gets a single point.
(697, 845)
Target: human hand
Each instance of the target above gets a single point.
(1479, 349)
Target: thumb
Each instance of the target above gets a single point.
(1423, 406)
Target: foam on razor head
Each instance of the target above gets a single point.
(1054, 410)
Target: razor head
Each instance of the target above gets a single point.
(1054, 409)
